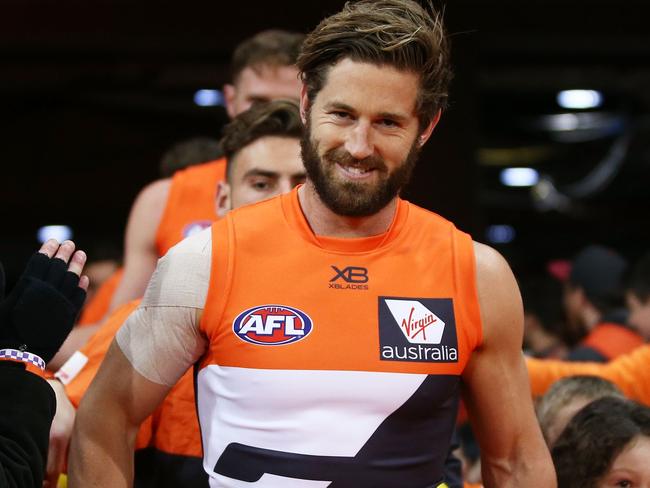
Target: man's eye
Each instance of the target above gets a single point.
(261, 185)
(340, 115)
(388, 123)
(624, 484)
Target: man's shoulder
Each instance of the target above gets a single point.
(154, 193)
(421, 215)
(199, 243)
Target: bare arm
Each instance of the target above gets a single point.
(140, 254)
(137, 371)
(497, 393)
(118, 400)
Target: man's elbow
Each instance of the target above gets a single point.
(532, 471)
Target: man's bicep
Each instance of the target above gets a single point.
(496, 388)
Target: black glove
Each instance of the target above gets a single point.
(40, 311)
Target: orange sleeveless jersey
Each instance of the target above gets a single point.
(95, 310)
(191, 204)
(335, 360)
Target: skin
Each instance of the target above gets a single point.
(261, 84)
(581, 314)
(367, 110)
(66, 251)
(639, 314)
(630, 469)
(268, 167)
(562, 417)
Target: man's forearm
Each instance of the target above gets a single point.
(101, 450)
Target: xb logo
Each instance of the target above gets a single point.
(351, 274)
(349, 278)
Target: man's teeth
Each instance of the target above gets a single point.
(356, 170)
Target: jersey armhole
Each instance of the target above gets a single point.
(221, 271)
(467, 288)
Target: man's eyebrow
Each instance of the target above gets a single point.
(393, 116)
(260, 172)
(334, 105)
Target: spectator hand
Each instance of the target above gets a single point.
(60, 434)
(40, 311)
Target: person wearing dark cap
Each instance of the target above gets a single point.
(35, 318)
(594, 302)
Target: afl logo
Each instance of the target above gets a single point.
(272, 325)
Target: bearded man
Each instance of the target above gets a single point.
(338, 320)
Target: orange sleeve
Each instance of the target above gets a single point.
(628, 372)
(95, 310)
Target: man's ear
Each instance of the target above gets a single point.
(229, 93)
(426, 133)
(224, 204)
(304, 104)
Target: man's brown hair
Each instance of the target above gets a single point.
(267, 48)
(280, 118)
(398, 33)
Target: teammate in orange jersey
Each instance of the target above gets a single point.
(263, 69)
(321, 360)
(263, 150)
(169, 209)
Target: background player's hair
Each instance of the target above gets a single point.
(398, 33)
(566, 391)
(267, 48)
(279, 118)
(189, 152)
(595, 437)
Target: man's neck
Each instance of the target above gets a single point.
(324, 222)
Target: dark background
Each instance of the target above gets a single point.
(93, 93)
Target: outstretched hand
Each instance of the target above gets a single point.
(40, 311)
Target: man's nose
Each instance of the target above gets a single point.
(359, 141)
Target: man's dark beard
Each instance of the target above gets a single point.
(349, 198)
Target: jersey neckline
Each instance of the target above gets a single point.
(297, 221)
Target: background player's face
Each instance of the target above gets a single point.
(265, 168)
(262, 84)
(630, 468)
(362, 140)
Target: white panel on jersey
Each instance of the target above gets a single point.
(322, 413)
(267, 481)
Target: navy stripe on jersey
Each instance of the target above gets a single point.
(408, 448)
